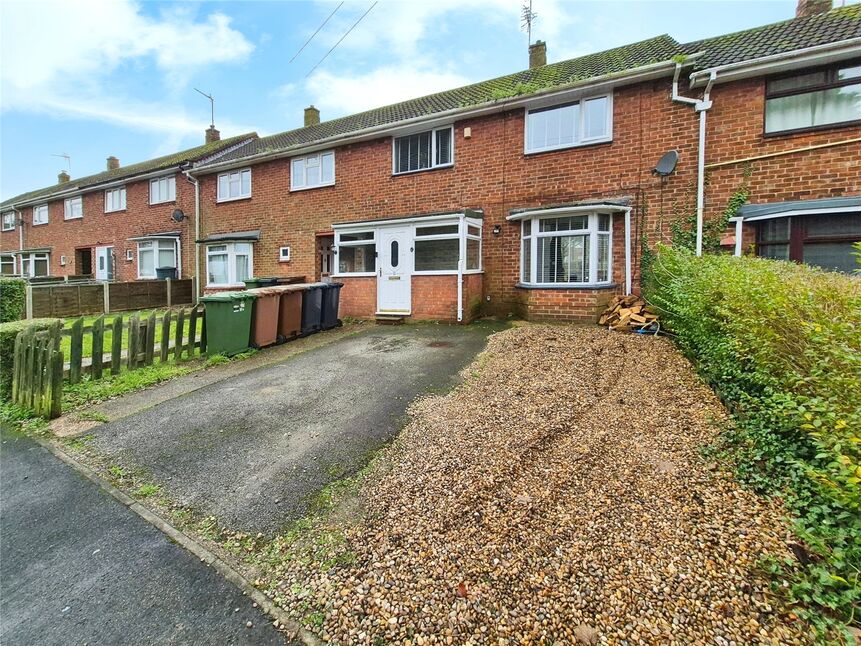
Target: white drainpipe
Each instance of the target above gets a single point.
(462, 248)
(702, 106)
(196, 183)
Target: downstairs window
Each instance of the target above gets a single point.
(567, 250)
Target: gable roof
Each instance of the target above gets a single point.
(198, 153)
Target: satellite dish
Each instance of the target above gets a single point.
(667, 164)
(178, 215)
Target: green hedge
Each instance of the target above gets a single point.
(8, 332)
(781, 345)
(13, 294)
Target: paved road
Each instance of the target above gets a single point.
(80, 568)
(254, 449)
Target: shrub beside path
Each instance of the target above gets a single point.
(557, 496)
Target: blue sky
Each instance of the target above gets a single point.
(93, 79)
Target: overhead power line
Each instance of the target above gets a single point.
(315, 33)
(342, 38)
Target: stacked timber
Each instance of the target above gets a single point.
(628, 313)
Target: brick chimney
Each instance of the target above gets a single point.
(113, 163)
(807, 8)
(63, 177)
(312, 116)
(538, 54)
(212, 135)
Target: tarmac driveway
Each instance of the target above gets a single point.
(254, 449)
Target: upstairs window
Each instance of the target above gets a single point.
(312, 171)
(8, 221)
(813, 99)
(115, 199)
(424, 150)
(73, 208)
(234, 185)
(162, 189)
(567, 250)
(579, 123)
(40, 214)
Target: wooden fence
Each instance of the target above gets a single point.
(39, 369)
(75, 299)
(37, 378)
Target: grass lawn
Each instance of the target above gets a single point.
(66, 342)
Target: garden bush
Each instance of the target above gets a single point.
(13, 294)
(8, 332)
(781, 345)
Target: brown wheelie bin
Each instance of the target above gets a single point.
(264, 320)
(289, 311)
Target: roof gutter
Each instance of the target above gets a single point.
(830, 52)
(643, 73)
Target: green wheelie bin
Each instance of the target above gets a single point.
(228, 322)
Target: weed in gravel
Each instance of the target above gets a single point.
(146, 490)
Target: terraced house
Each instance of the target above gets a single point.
(121, 224)
(534, 193)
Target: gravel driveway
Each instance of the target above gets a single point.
(253, 450)
(557, 496)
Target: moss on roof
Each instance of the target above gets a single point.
(197, 153)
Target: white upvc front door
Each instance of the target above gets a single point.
(394, 270)
(104, 263)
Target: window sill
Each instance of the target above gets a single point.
(594, 286)
(77, 217)
(810, 129)
(115, 211)
(7, 230)
(233, 199)
(160, 203)
(36, 224)
(423, 170)
(355, 275)
(296, 189)
(585, 144)
(226, 286)
(446, 272)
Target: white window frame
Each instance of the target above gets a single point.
(227, 175)
(284, 254)
(32, 256)
(580, 126)
(170, 181)
(154, 241)
(112, 192)
(318, 158)
(8, 258)
(41, 208)
(69, 208)
(433, 155)
(592, 231)
(354, 243)
(8, 221)
(231, 262)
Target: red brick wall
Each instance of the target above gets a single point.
(736, 132)
(97, 228)
(567, 304)
(490, 172)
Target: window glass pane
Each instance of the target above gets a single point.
(328, 168)
(7, 265)
(798, 82)
(356, 259)
(246, 183)
(603, 222)
(361, 235)
(297, 173)
(568, 223)
(837, 224)
(243, 267)
(833, 256)
(563, 259)
(774, 251)
(166, 257)
(473, 231)
(146, 259)
(312, 174)
(443, 146)
(242, 247)
(603, 258)
(25, 265)
(394, 254)
(849, 73)
(813, 109)
(217, 268)
(473, 253)
(526, 269)
(526, 228)
(437, 255)
(595, 118)
(402, 154)
(553, 127)
(445, 229)
(171, 188)
(775, 230)
(40, 265)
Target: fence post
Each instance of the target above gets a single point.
(134, 334)
(192, 331)
(177, 344)
(98, 347)
(76, 351)
(28, 300)
(117, 346)
(169, 294)
(149, 344)
(56, 381)
(165, 335)
(107, 297)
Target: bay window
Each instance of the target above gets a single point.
(813, 99)
(357, 252)
(824, 240)
(312, 171)
(579, 123)
(7, 264)
(234, 185)
(229, 264)
(566, 250)
(155, 253)
(35, 264)
(423, 150)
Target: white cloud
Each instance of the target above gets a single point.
(85, 42)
